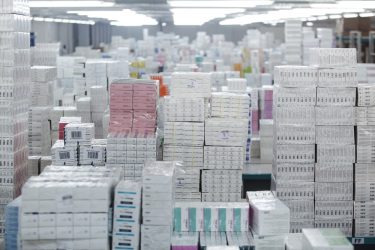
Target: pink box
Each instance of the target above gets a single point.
(145, 87)
(144, 106)
(121, 86)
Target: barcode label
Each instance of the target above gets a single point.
(76, 134)
(93, 155)
(64, 155)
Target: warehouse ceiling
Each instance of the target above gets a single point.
(196, 12)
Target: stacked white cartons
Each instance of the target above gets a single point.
(325, 239)
(335, 121)
(43, 79)
(294, 142)
(117, 70)
(266, 211)
(366, 72)
(157, 205)
(84, 108)
(94, 154)
(67, 207)
(225, 141)
(64, 154)
(266, 140)
(237, 85)
(309, 41)
(14, 99)
(184, 130)
(218, 79)
(364, 201)
(45, 54)
(293, 42)
(95, 73)
(127, 215)
(39, 127)
(79, 77)
(325, 37)
(99, 103)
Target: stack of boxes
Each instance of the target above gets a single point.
(130, 151)
(95, 73)
(45, 54)
(364, 203)
(335, 121)
(67, 207)
(39, 136)
(84, 108)
(132, 138)
(157, 205)
(266, 140)
(309, 41)
(325, 37)
(294, 142)
(65, 121)
(293, 42)
(265, 212)
(65, 152)
(266, 100)
(184, 145)
(127, 215)
(14, 100)
(99, 103)
(42, 81)
(12, 228)
(224, 151)
(314, 239)
(94, 154)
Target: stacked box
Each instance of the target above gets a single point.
(266, 102)
(12, 224)
(14, 100)
(94, 154)
(157, 205)
(183, 141)
(335, 154)
(211, 217)
(294, 142)
(242, 240)
(191, 84)
(67, 205)
(230, 105)
(266, 140)
(237, 85)
(84, 108)
(43, 80)
(227, 137)
(213, 240)
(45, 54)
(260, 220)
(64, 154)
(127, 215)
(253, 127)
(117, 70)
(293, 42)
(364, 172)
(130, 152)
(95, 73)
(34, 165)
(314, 239)
(366, 73)
(76, 134)
(99, 103)
(309, 41)
(65, 121)
(39, 126)
(133, 105)
(55, 115)
(185, 240)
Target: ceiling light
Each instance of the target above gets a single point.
(312, 19)
(335, 16)
(322, 18)
(218, 4)
(69, 4)
(123, 17)
(183, 16)
(366, 14)
(309, 24)
(48, 19)
(38, 19)
(350, 15)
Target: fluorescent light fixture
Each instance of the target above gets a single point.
(47, 19)
(218, 4)
(199, 16)
(38, 19)
(366, 14)
(335, 16)
(69, 4)
(309, 24)
(312, 19)
(322, 18)
(123, 17)
(350, 15)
